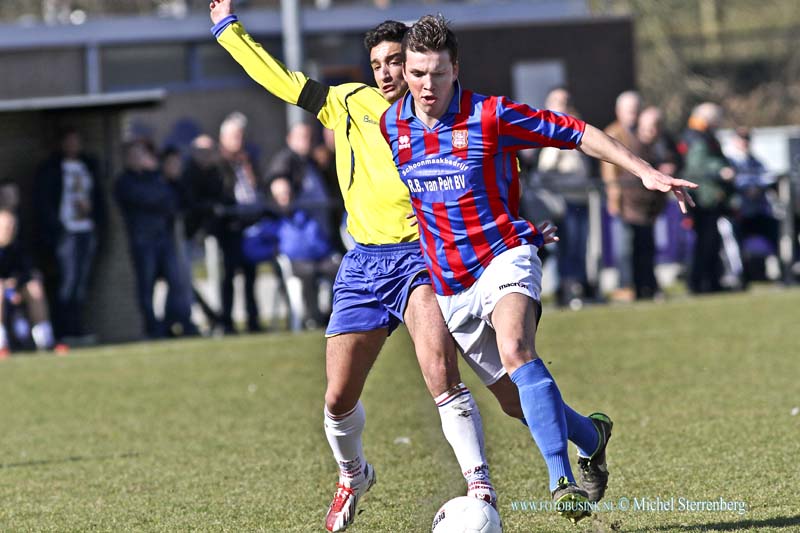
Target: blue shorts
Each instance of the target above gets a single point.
(372, 287)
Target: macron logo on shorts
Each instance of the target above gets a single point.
(519, 284)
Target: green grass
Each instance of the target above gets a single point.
(226, 435)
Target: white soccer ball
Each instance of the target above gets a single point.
(466, 515)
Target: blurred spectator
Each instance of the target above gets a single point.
(9, 195)
(240, 193)
(621, 192)
(568, 171)
(306, 244)
(324, 156)
(71, 211)
(183, 132)
(202, 181)
(308, 183)
(204, 189)
(149, 204)
(706, 165)
(658, 149)
(179, 297)
(658, 145)
(23, 298)
(757, 227)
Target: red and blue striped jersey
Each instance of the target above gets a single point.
(464, 179)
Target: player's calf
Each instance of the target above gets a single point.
(463, 429)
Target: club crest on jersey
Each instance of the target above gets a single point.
(460, 139)
(405, 142)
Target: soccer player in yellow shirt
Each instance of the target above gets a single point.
(383, 281)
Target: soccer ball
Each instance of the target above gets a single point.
(466, 515)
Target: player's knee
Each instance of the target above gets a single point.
(515, 351)
(339, 402)
(440, 378)
(438, 362)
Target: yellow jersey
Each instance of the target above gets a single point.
(375, 198)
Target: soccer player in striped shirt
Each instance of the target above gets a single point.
(455, 151)
(384, 281)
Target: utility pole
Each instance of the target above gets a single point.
(291, 19)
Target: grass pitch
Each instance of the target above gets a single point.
(226, 435)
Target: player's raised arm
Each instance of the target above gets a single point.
(597, 144)
(220, 9)
(291, 87)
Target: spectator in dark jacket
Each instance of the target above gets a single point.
(242, 195)
(71, 214)
(568, 174)
(295, 162)
(202, 181)
(149, 204)
(756, 222)
(180, 297)
(658, 150)
(706, 165)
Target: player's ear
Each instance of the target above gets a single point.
(455, 69)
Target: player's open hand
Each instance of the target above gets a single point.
(657, 181)
(220, 9)
(548, 231)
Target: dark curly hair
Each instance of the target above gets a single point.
(389, 30)
(431, 34)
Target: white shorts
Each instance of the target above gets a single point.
(468, 313)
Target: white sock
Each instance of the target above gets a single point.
(344, 436)
(42, 334)
(3, 337)
(463, 429)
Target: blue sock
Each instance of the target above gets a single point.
(581, 431)
(544, 412)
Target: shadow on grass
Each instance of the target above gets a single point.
(71, 459)
(781, 521)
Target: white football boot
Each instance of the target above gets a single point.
(342, 511)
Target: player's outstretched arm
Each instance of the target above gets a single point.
(291, 87)
(597, 144)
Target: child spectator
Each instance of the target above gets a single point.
(21, 286)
